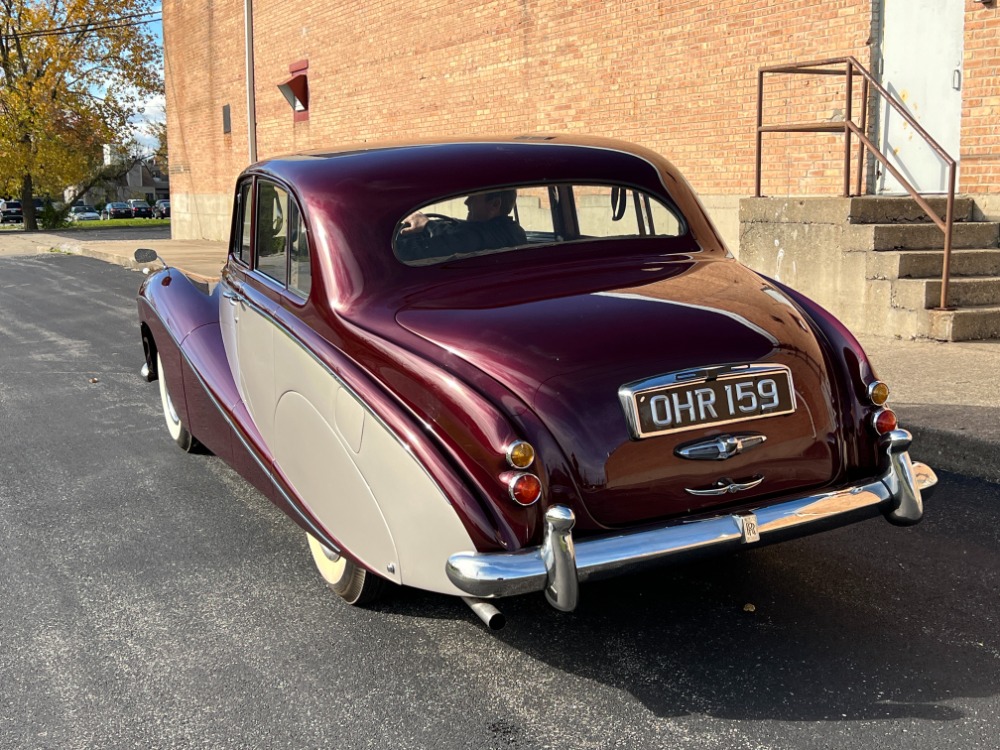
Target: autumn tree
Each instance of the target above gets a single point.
(158, 130)
(72, 73)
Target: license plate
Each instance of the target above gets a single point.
(707, 396)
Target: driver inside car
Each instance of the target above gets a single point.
(488, 226)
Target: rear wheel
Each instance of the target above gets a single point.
(352, 583)
(181, 435)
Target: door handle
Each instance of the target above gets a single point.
(956, 79)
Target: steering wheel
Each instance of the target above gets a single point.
(443, 217)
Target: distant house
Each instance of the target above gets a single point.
(143, 179)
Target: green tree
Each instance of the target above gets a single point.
(72, 72)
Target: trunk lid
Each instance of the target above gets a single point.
(567, 357)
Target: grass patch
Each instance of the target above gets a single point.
(114, 223)
(109, 224)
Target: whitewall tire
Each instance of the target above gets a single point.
(352, 583)
(181, 435)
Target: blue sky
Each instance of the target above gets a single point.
(154, 108)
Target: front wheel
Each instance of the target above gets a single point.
(181, 435)
(350, 582)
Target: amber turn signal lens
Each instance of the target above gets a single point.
(878, 392)
(525, 489)
(520, 455)
(885, 421)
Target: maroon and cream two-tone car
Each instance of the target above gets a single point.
(492, 367)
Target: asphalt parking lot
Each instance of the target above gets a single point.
(154, 599)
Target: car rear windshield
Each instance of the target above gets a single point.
(503, 219)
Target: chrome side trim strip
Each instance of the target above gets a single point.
(321, 535)
(292, 503)
(354, 394)
(559, 563)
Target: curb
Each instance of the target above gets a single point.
(127, 262)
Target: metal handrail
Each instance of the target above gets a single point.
(852, 68)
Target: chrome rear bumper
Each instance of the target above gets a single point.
(560, 563)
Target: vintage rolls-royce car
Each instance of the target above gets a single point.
(491, 367)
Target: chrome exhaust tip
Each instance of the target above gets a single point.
(490, 615)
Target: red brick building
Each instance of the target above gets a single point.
(679, 76)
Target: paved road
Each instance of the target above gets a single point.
(153, 599)
(96, 233)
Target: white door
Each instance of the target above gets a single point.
(922, 48)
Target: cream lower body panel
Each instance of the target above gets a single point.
(356, 477)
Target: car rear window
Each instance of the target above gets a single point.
(503, 219)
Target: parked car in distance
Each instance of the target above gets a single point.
(493, 367)
(116, 210)
(161, 209)
(83, 213)
(140, 209)
(11, 212)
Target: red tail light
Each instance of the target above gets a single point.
(525, 489)
(884, 421)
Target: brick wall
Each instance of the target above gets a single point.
(980, 159)
(676, 75)
(204, 70)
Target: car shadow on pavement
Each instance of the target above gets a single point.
(869, 622)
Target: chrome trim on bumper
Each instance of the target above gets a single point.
(560, 563)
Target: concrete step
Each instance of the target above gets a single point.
(867, 209)
(923, 294)
(927, 264)
(966, 323)
(977, 234)
(881, 209)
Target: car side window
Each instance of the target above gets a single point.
(272, 231)
(247, 218)
(300, 277)
(609, 211)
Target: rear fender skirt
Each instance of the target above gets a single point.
(412, 431)
(357, 478)
(212, 408)
(223, 427)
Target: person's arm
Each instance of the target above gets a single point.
(415, 222)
